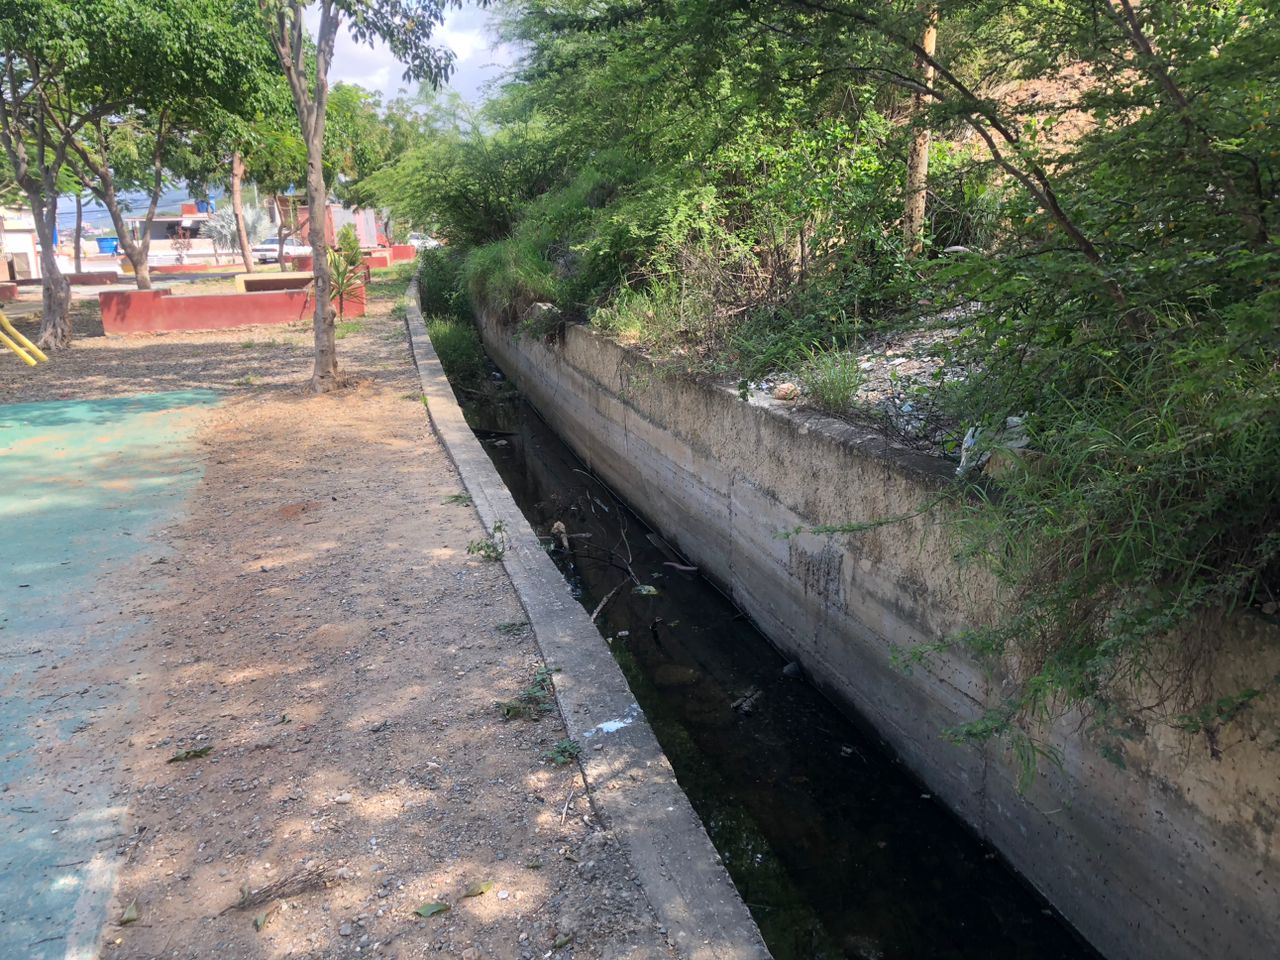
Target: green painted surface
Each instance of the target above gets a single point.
(82, 485)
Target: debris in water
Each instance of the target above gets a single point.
(747, 702)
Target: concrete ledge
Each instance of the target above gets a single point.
(630, 780)
(273, 280)
(1173, 854)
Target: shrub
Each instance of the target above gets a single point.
(440, 282)
(458, 345)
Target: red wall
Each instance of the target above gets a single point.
(153, 311)
(8, 291)
(91, 277)
(377, 261)
(163, 268)
(402, 252)
(275, 281)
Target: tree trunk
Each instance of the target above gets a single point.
(237, 207)
(918, 156)
(325, 375)
(55, 319)
(136, 250)
(79, 230)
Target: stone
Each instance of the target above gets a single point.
(786, 391)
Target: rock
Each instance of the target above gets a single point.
(344, 873)
(786, 391)
(344, 930)
(793, 671)
(471, 953)
(342, 798)
(503, 894)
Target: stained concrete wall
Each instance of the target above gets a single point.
(1172, 856)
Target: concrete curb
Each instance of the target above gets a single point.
(629, 777)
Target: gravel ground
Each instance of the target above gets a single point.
(320, 625)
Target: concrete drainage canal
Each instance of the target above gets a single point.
(836, 849)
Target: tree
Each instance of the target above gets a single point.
(406, 27)
(918, 158)
(219, 64)
(44, 50)
(73, 70)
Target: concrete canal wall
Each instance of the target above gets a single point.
(1174, 855)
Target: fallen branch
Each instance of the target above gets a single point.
(290, 886)
(607, 597)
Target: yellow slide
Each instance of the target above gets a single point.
(27, 351)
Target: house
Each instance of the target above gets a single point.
(166, 228)
(19, 248)
(292, 211)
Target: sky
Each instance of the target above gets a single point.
(467, 32)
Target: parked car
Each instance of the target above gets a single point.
(423, 242)
(269, 251)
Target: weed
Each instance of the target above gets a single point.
(493, 547)
(346, 328)
(512, 627)
(461, 499)
(247, 380)
(831, 378)
(458, 345)
(565, 751)
(534, 701)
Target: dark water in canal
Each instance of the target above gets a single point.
(838, 851)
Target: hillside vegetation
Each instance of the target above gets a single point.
(1095, 287)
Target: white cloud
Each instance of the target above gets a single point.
(479, 59)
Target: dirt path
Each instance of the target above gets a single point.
(320, 625)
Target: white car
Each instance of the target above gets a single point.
(423, 242)
(269, 252)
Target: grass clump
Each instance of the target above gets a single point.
(458, 345)
(831, 379)
(346, 328)
(534, 702)
(564, 752)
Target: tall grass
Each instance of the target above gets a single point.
(458, 345)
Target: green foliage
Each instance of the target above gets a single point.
(348, 247)
(221, 227)
(831, 379)
(535, 701)
(563, 752)
(697, 179)
(345, 280)
(440, 283)
(493, 547)
(457, 343)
